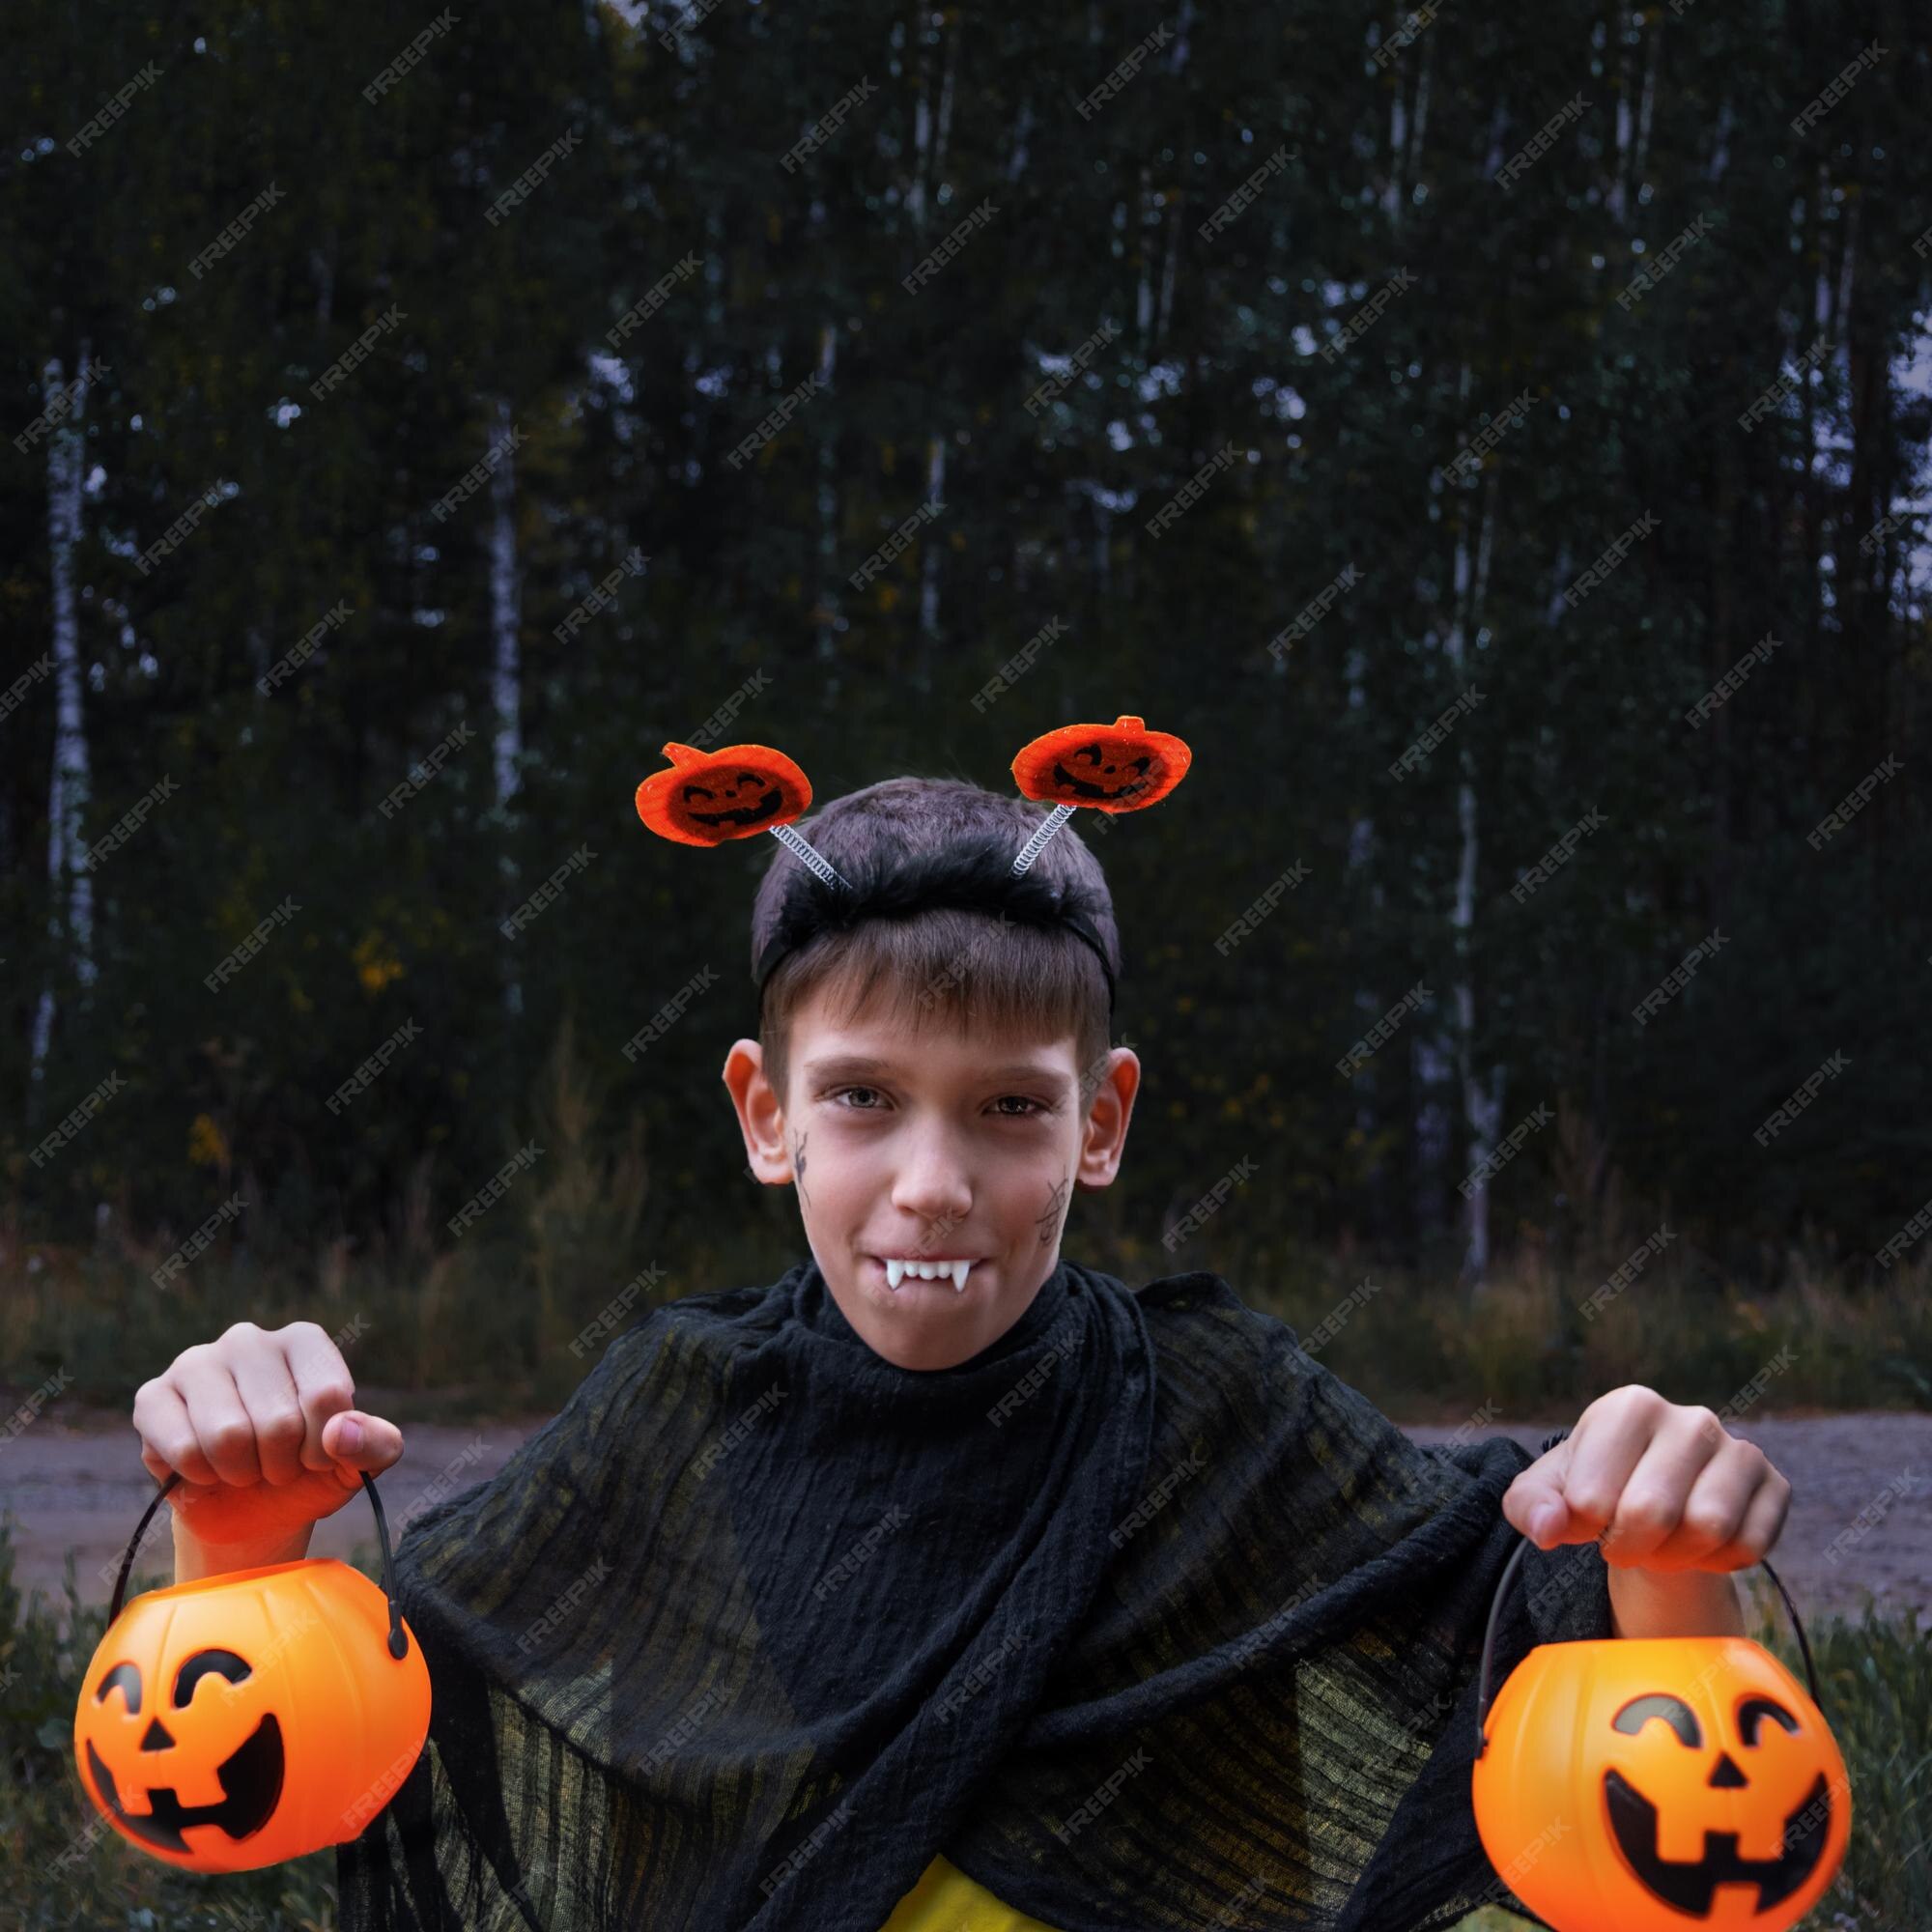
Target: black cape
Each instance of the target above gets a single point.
(1142, 1617)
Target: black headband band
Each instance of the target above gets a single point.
(973, 875)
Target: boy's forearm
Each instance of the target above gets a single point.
(1674, 1602)
(195, 1559)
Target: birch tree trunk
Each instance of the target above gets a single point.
(825, 605)
(1017, 164)
(1144, 247)
(1481, 1102)
(71, 886)
(1368, 1002)
(1616, 199)
(944, 107)
(921, 133)
(929, 590)
(1481, 1105)
(506, 676)
(1398, 143)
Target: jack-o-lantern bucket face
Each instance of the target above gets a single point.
(706, 797)
(181, 1736)
(1662, 1782)
(251, 1716)
(1117, 767)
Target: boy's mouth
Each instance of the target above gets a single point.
(924, 1277)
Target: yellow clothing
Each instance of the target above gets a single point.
(945, 1900)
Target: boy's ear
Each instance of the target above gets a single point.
(760, 1115)
(1103, 1135)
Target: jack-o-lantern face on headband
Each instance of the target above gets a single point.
(705, 798)
(1118, 767)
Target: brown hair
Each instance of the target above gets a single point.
(944, 964)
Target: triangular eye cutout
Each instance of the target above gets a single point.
(1111, 768)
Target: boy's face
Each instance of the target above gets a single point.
(903, 1142)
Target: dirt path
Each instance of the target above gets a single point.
(1860, 1512)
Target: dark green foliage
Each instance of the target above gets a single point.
(1095, 220)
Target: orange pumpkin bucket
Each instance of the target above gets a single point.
(1631, 1783)
(253, 1716)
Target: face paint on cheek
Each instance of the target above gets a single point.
(1048, 1223)
(798, 1169)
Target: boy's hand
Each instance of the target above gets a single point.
(1672, 1487)
(260, 1426)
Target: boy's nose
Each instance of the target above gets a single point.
(935, 1204)
(935, 1189)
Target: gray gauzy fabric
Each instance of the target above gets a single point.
(1142, 1617)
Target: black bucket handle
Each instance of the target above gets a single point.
(1483, 1693)
(399, 1642)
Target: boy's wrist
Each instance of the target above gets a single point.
(195, 1559)
(1674, 1602)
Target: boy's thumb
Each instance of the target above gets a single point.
(355, 1440)
(1534, 1504)
(1546, 1519)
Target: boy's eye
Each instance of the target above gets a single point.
(1030, 1107)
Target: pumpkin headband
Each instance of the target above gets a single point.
(707, 798)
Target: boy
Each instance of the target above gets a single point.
(944, 1584)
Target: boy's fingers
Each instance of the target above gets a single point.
(220, 1421)
(356, 1440)
(322, 1385)
(168, 1444)
(268, 1393)
(1762, 1526)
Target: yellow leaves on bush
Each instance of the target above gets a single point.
(206, 1147)
(375, 964)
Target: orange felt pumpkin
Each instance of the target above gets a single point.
(1638, 1782)
(704, 798)
(251, 1717)
(1117, 767)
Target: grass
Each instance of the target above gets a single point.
(485, 1330)
(1419, 1347)
(66, 1873)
